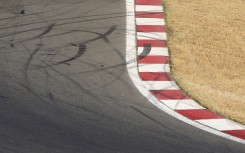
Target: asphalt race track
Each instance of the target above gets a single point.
(64, 86)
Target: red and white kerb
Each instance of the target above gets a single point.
(154, 70)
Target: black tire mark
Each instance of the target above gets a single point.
(101, 36)
(81, 50)
(82, 46)
(48, 83)
(146, 51)
(3, 97)
(28, 62)
(46, 31)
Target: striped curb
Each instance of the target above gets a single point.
(152, 62)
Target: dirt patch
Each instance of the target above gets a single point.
(207, 46)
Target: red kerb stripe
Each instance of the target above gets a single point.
(150, 28)
(199, 114)
(236, 133)
(153, 60)
(155, 76)
(169, 94)
(148, 2)
(149, 15)
(153, 43)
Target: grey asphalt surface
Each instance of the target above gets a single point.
(64, 87)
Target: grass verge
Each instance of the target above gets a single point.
(207, 48)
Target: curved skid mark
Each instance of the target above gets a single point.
(146, 51)
(101, 36)
(82, 47)
(3, 97)
(28, 62)
(48, 29)
(81, 50)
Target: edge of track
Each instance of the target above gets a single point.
(150, 73)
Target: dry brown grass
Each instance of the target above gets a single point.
(207, 46)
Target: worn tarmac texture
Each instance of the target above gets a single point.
(64, 87)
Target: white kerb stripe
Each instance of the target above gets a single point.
(153, 68)
(160, 51)
(160, 85)
(149, 21)
(151, 35)
(148, 8)
(188, 104)
(222, 124)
